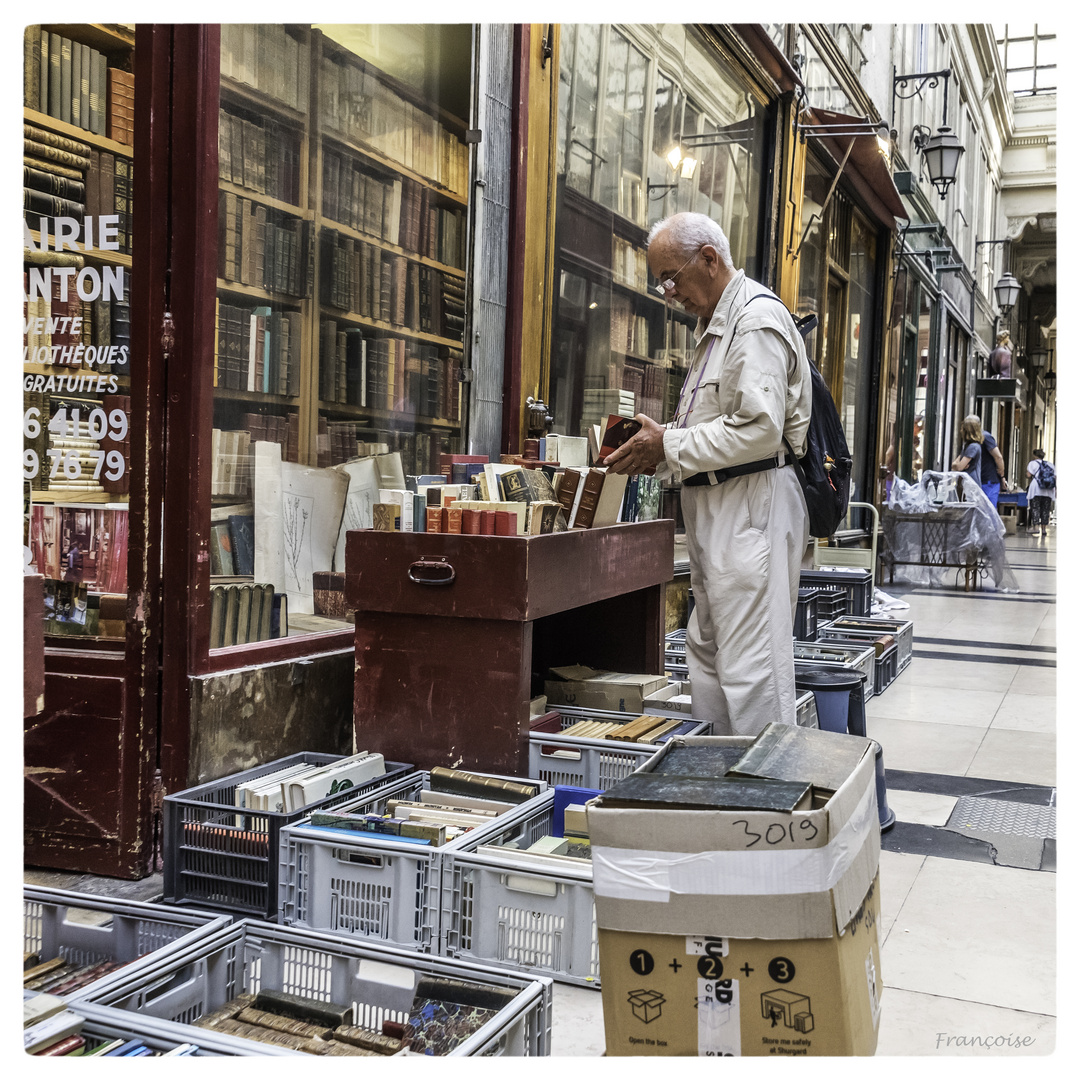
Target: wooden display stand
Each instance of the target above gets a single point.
(455, 633)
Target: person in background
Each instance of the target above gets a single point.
(1039, 497)
(747, 390)
(991, 463)
(73, 562)
(969, 459)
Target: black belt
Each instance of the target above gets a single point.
(718, 476)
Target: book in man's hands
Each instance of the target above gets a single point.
(618, 430)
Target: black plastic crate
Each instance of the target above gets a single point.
(806, 617)
(858, 584)
(831, 603)
(221, 857)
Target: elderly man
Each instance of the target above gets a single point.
(747, 390)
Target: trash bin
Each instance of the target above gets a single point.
(838, 695)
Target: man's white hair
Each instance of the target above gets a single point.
(689, 232)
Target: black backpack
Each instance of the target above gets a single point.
(824, 471)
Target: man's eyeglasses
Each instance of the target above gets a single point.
(668, 284)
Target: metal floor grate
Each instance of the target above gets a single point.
(1003, 816)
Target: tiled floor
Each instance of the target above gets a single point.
(968, 907)
(968, 935)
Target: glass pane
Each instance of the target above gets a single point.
(812, 250)
(1021, 54)
(79, 175)
(341, 303)
(617, 348)
(858, 342)
(584, 152)
(1020, 82)
(1047, 51)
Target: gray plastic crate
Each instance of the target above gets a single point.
(590, 763)
(383, 890)
(833, 654)
(496, 911)
(377, 980)
(873, 627)
(806, 709)
(885, 662)
(104, 1024)
(220, 857)
(87, 929)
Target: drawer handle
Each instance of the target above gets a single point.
(432, 572)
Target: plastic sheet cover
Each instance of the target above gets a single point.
(945, 518)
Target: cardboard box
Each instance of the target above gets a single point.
(725, 933)
(671, 700)
(613, 691)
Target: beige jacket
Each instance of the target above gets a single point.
(742, 392)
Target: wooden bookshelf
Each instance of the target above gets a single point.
(364, 170)
(70, 131)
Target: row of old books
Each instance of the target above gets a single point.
(69, 332)
(245, 611)
(442, 1015)
(50, 1028)
(629, 332)
(419, 451)
(568, 840)
(263, 248)
(507, 500)
(628, 264)
(648, 383)
(451, 803)
(400, 211)
(82, 444)
(232, 450)
(386, 372)
(269, 59)
(381, 285)
(258, 349)
(259, 155)
(230, 463)
(355, 102)
(64, 177)
(292, 787)
(336, 441)
(591, 497)
(232, 541)
(74, 83)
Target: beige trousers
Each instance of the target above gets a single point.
(745, 538)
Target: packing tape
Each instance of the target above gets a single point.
(631, 874)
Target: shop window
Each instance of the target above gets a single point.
(343, 219)
(627, 96)
(79, 182)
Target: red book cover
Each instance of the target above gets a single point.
(619, 429)
(453, 519)
(487, 522)
(471, 521)
(505, 523)
(447, 461)
(434, 519)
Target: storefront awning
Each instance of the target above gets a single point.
(769, 55)
(866, 167)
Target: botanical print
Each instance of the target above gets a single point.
(295, 519)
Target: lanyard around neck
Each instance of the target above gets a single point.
(681, 417)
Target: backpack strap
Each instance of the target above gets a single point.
(804, 324)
